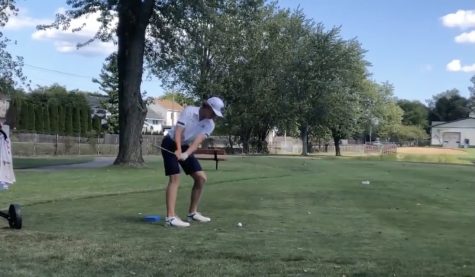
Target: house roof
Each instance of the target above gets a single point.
(470, 122)
(151, 113)
(95, 100)
(169, 104)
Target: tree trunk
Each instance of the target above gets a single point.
(134, 17)
(336, 140)
(245, 137)
(231, 144)
(304, 137)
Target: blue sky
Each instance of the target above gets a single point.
(422, 47)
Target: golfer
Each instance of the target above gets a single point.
(193, 126)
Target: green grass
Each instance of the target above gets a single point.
(42, 161)
(301, 217)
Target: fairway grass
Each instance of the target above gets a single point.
(301, 217)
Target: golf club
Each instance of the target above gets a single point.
(164, 149)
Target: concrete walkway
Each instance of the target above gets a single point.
(96, 163)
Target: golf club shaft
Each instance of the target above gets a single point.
(164, 149)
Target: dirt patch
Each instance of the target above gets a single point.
(429, 151)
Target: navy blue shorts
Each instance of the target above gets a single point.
(171, 163)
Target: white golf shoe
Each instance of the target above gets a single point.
(175, 221)
(198, 217)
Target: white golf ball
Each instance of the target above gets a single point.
(239, 224)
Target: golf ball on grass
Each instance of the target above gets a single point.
(239, 224)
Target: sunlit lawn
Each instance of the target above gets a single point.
(300, 217)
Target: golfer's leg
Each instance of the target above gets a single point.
(172, 190)
(199, 178)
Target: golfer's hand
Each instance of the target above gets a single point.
(184, 156)
(178, 154)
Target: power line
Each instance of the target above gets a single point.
(58, 71)
(73, 74)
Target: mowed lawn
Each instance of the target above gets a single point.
(301, 217)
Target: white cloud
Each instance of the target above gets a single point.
(456, 66)
(23, 20)
(66, 41)
(466, 37)
(462, 18)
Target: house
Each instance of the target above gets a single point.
(154, 120)
(162, 114)
(95, 103)
(454, 134)
(169, 109)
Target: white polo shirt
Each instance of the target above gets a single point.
(190, 120)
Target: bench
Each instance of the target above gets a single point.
(211, 154)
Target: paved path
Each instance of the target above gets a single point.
(96, 163)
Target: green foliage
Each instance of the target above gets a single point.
(471, 89)
(10, 66)
(62, 119)
(448, 106)
(411, 133)
(96, 124)
(47, 120)
(109, 83)
(76, 121)
(31, 124)
(43, 110)
(69, 129)
(85, 115)
(22, 124)
(415, 113)
(54, 118)
(179, 97)
(381, 113)
(13, 112)
(39, 119)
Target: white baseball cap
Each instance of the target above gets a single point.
(217, 105)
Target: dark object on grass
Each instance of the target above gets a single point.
(13, 216)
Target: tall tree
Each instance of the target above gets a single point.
(471, 89)
(39, 118)
(10, 67)
(415, 113)
(109, 84)
(76, 120)
(339, 108)
(133, 19)
(68, 120)
(31, 123)
(54, 118)
(229, 49)
(448, 106)
(62, 119)
(179, 97)
(46, 119)
(382, 116)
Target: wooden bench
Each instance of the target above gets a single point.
(211, 154)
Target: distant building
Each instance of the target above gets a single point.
(454, 134)
(169, 109)
(162, 114)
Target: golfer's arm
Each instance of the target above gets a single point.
(178, 136)
(198, 140)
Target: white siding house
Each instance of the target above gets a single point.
(170, 110)
(161, 115)
(459, 133)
